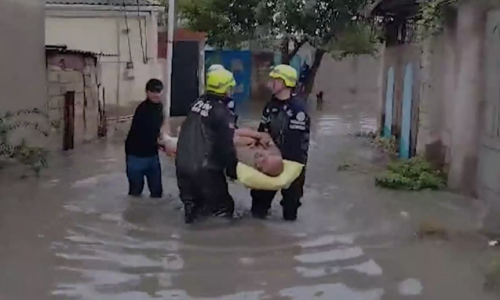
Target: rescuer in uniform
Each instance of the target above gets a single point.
(286, 120)
(206, 153)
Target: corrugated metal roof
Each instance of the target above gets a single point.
(104, 2)
(64, 49)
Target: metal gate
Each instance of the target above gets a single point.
(489, 155)
(185, 81)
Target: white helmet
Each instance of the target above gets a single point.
(216, 67)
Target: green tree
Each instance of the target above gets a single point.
(336, 27)
(227, 23)
(331, 26)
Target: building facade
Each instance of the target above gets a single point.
(123, 32)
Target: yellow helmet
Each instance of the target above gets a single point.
(286, 73)
(215, 67)
(220, 81)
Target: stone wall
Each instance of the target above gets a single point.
(85, 85)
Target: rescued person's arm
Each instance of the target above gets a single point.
(165, 140)
(248, 136)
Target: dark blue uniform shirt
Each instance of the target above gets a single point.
(288, 124)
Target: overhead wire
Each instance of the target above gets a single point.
(144, 55)
(128, 31)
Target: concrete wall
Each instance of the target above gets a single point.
(489, 151)
(22, 65)
(451, 110)
(351, 76)
(354, 78)
(22, 59)
(106, 32)
(433, 113)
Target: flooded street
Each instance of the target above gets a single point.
(74, 234)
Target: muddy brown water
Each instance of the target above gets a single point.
(73, 234)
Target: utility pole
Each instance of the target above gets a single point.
(170, 54)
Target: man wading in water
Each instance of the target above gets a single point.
(141, 145)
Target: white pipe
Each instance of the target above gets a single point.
(103, 8)
(170, 52)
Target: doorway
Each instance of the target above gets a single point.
(185, 81)
(69, 121)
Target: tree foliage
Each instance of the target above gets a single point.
(432, 16)
(229, 22)
(335, 26)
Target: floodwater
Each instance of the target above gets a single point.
(73, 234)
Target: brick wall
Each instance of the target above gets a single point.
(84, 84)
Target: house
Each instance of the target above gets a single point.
(441, 96)
(124, 35)
(22, 63)
(74, 107)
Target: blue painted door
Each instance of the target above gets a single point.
(389, 103)
(404, 143)
(238, 62)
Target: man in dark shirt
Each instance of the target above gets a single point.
(141, 146)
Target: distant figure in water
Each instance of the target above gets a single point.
(319, 100)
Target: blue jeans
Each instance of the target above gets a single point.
(140, 167)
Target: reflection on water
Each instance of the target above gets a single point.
(74, 235)
(119, 248)
(103, 245)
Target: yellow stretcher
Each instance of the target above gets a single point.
(254, 179)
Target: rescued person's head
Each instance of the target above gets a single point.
(154, 88)
(270, 165)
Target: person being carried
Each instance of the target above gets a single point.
(253, 148)
(257, 150)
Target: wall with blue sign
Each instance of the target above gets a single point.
(238, 62)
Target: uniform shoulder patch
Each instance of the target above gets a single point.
(301, 116)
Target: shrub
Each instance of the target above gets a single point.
(32, 157)
(414, 174)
